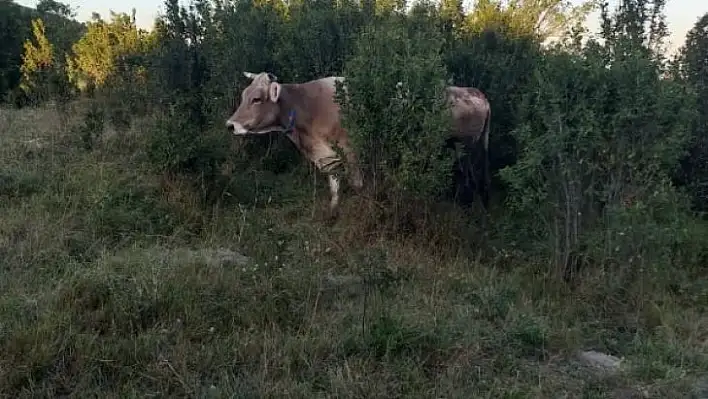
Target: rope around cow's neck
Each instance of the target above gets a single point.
(291, 121)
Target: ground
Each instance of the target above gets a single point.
(118, 282)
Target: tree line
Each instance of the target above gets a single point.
(598, 144)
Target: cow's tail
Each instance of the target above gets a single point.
(485, 162)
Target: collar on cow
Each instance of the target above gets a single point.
(291, 121)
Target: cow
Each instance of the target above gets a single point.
(471, 114)
(310, 117)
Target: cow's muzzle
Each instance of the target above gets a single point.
(235, 127)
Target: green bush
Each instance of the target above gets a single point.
(602, 132)
(399, 133)
(177, 145)
(497, 63)
(693, 71)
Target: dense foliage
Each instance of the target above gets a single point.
(692, 64)
(16, 28)
(400, 130)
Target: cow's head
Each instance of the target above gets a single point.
(259, 110)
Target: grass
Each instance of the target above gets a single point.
(113, 286)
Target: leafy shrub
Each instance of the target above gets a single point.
(693, 71)
(399, 133)
(93, 125)
(177, 145)
(602, 133)
(496, 62)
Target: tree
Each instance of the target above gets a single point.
(37, 63)
(693, 69)
(602, 133)
(103, 47)
(12, 34)
(55, 7)
(547, 19)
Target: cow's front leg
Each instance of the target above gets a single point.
(329, 163)
(334, 192)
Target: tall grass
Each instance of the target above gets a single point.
(118, 282)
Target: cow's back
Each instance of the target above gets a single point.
(470, 108)
(322, 108)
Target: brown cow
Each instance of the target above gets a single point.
(310, 116)
(471, 113)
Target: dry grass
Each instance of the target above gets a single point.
(92, 303)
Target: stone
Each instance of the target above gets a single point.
(599, 360)
(221, 257)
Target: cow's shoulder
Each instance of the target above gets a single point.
(316, 105)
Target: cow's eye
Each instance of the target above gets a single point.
(256, 100)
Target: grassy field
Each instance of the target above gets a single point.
(116, 282)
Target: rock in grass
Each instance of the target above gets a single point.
(220, 256)
(600, 361)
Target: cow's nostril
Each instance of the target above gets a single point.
(230, 126)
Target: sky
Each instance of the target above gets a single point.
(681, 15)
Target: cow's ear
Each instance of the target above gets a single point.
(249, 75)
(274, 91)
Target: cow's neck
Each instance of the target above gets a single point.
(289, 109)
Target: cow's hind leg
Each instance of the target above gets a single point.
(466, 180)
(480, 174)
(475, 173)
(459, 190)
(356, 178)
(352, 169)
(469, 171)
(450, 143)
